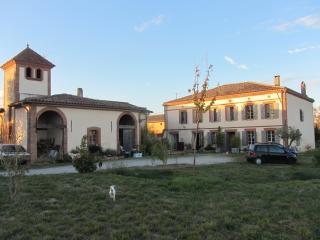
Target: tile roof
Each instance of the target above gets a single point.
(156, 118)
(69, 100)
(238, 88)
(28, 56)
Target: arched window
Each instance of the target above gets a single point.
(28, 72)
(39, 73)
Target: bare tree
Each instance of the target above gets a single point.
(12, 165)
(201, 103)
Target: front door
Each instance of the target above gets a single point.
(230, 136)
(127, 139)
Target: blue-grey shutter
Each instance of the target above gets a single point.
(236, 113)
(227, 113)
(263, 136)
(194, 115)
(263, 111)
(243, 113)
(244, 138)
(209, 139)
(255, 111)
(275, 110)
(277, 137)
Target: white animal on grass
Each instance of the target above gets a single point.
(112, 192)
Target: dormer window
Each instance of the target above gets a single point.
(38, 73)
(28, 72)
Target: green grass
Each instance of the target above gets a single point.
(226, 201)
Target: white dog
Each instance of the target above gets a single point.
(112, 192)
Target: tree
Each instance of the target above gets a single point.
(316, 115)
(13, 167)
(200, 102)
(159, 150)
(289, 135)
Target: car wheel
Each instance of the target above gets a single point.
(258, 161)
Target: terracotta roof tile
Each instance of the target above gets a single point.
(29, 56)
(69, 100)
(238, 88)
(156, 118)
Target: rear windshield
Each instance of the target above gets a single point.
(262, 148)
(13, 148)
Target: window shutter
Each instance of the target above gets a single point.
(227, 109)
(209, 139)
(255, 111)
(243, 113)
(244, 138)
(263, 111)
(236, 113)
(255, 137)
(180, 117)
(219, 115)
(263, 136)
(275, 110)
(276, 137)
(210, 115)
(194, 115)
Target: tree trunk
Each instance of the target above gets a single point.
(195, 143)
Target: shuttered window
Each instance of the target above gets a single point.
(183, 117)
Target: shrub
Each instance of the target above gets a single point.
(188, 146)
(159, 151)
(110, 152)
(64, 158)
(220, 138)
(85, 162)
(147, 141)
(316, 159)
(209, 147)
(235, 142)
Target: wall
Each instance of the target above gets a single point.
(294, 104)
(28, 88)
(9, 88)
(78, 120)
(185, 130)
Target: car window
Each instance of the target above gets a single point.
(276, 149)
(262, 148)
(12, 148)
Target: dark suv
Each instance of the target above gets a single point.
(270, 153)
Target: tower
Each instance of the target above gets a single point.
(26, 75)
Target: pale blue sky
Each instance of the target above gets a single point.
(144, 52)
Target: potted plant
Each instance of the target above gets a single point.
(235, 144)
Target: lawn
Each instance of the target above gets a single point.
(225, 201)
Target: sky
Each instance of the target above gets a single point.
(145, 52)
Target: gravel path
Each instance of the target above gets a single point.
(201, 160)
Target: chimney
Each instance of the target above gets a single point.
(277, 80)
(303, 88)
(79, 92)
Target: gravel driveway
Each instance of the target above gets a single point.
(201, 160)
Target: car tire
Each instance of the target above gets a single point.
(258, 161)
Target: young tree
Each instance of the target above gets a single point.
(289, 135)
(200, 102)
(12, 164)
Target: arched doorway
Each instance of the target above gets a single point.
(127, 132)
(51, 132)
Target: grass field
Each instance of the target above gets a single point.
(226, 201)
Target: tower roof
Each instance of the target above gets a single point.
(29, 56)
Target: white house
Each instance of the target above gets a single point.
(61, 120)
(250, 110)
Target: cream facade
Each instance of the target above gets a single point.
(256, 116)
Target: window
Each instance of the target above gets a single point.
(251, 137)
(276, 149)
(195, 116)
(249, 112)
(301, 116)
(214, 115)
(271, 137)
(93, 135)
(39, 73)
(267, 110)
(183, 117)
(213, 138)
(28, 72)
(262, 148)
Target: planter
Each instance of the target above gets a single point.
(235, 150)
